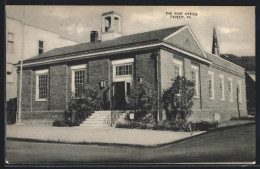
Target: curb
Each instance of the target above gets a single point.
(129, 145)
(206, 132)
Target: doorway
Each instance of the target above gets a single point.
(119, 96)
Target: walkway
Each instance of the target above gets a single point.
(137, 137)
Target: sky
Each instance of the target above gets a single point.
(235, 26)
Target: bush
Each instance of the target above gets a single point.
(11, 111)
(204, 125)
(243, 118)
(177, 101)
(59, 123)
(169, 125)
(143, 102)
(81, 107)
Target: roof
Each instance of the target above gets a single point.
(215, 57)
(247, 62)
(157, 35)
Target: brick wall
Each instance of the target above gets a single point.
(98, 70)
(205, 108)
(26, 90)
(145, 66)
(58, 87)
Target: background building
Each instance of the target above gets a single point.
(26, 40)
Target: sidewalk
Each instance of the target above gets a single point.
(81, 135)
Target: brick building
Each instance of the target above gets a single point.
(51, 79)
(248, 63)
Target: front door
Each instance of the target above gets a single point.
(119, 96)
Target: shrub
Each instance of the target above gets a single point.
(88, 101)
(11, 111)
(204, 126)
(169, 125)
(177, 101)
(59, 123)
(143, 101)
(243, 118)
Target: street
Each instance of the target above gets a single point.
(230, 145)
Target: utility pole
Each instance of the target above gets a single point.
(21, 76)
(238, 103)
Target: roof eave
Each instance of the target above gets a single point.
(89, 55)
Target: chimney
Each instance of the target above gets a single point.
(94, 36)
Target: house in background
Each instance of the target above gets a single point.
(249, 64)
(26, 40)
(114, 62)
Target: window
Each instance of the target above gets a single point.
(78, 79)
(40, 47)
(176, 71)
(124, 70)
(10, 41)
(211, 85)
(195, 78)
(239, 91)
(178, 67)
(9, 73)
(230, 90)
(221, 87)
(41, 85)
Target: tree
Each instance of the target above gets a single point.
(143, 101)
(177, 101)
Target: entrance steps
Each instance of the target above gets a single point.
(98, 119)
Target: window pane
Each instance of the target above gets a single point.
(10, 37)
(210, 88)
(124, 70)
(79, 81)
(194, 80)
(40, 44)
(176, 71)
(42, 86)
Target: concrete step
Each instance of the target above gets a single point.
(96, 118)
(94, 125)
(95, 122)
(102, 112)
(107, 111)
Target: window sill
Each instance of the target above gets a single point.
(196, 97)
(222, 100)
(11, 51)
(230, 100)
(211, 99)
(41, 100)
(118, 76)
